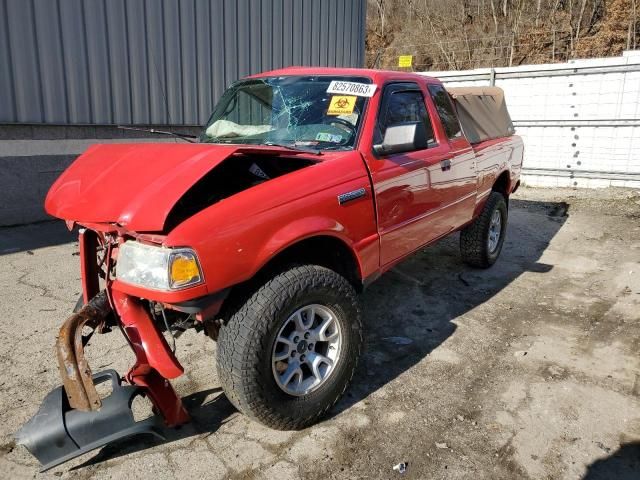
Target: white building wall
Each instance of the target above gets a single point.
(580, 121)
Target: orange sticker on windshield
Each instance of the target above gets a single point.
(342, 105)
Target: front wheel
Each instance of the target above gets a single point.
(481, 241)
(287, 354)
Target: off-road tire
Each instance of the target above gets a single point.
(473, 238)
(246, 340)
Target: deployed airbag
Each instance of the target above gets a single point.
(482, 112)
(227, 128)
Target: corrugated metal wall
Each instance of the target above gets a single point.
(158, 61)
(580, 121)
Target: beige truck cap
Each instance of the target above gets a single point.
(482, 112)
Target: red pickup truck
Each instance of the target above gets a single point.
(306, 185)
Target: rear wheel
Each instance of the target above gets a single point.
(481, 241)
(286, 355)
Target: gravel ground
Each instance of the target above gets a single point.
(527, 370)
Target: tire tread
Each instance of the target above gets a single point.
(473, 241)
(242, 348)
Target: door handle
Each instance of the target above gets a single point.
(445, 164)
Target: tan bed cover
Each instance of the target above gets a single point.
(483, 112)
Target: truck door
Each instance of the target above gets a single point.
(461, 172)
(409, 208)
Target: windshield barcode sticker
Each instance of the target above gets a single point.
(352, 88)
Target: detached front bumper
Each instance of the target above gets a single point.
(59, 433)
(73, 419)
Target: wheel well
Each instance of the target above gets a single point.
(502, 184)
(326, 251)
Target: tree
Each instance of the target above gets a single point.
(461, 34)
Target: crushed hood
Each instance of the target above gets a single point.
(134, 185)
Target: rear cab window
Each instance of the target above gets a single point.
(446, 111)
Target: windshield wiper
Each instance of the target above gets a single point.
(292, 146)
(183, 136)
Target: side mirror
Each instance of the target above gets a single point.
(403, 137)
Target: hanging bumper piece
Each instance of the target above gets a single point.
(74, 368)
(73, 419)
(59, 433)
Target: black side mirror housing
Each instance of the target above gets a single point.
(403, 137)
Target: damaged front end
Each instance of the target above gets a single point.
(73, 418)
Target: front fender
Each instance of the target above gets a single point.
(236, 237)
(235, 252)
(300, 230)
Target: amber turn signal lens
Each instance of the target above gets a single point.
(184, 270)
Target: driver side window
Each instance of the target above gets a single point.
(402, 103)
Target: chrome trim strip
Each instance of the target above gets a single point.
(350, 196)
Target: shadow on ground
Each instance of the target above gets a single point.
(408, 313)
(434, 287)
(33, 236)
(624, 464)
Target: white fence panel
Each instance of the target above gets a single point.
(580, 121)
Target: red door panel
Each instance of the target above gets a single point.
(413, 188)
(411, 194)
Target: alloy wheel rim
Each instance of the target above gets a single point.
(495, 230)
(306, 350)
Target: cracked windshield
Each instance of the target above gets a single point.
(293, 111)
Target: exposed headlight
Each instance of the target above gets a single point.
(158, 268)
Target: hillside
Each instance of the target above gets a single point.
(464, 34)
